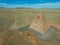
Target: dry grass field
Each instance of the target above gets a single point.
(24, 17)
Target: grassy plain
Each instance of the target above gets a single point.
(25, 17)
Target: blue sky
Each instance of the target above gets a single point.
(30, 3)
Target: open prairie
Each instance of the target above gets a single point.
(23, 17)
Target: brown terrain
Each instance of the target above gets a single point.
(30, 37)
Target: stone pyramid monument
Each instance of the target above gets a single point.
(37, 23)
(14, 25)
